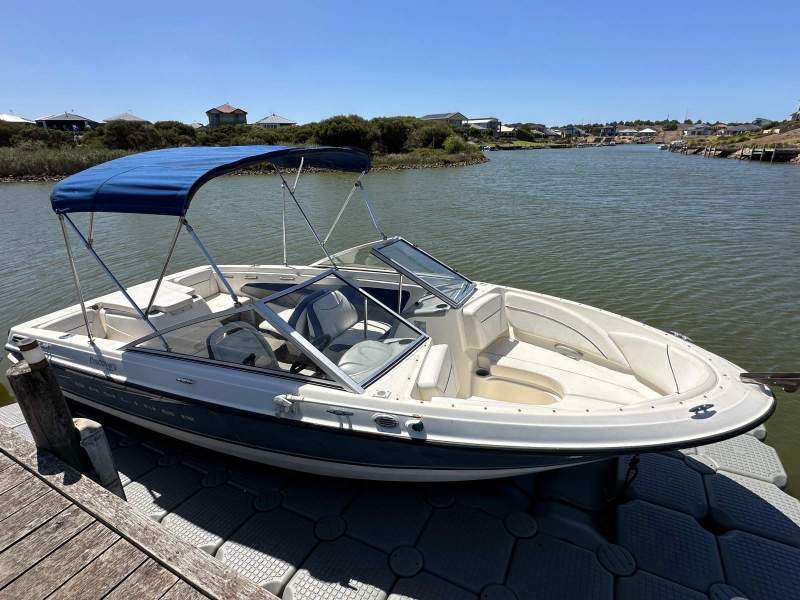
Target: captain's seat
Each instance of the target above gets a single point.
(330, 321)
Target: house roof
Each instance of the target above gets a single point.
(273, 118)
(648, 130)
(126, 116)
(627, 131)
(449, 115)
(226, 108)
(66, 117)
(8, 118)
(507, 129)
(481, 120)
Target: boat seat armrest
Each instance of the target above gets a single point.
(437, 377)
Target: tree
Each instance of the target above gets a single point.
(343, 130)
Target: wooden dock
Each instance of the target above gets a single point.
(708, 522)
(63, 536)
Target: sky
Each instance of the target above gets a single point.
(552, 62)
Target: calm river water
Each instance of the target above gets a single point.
(710, 248)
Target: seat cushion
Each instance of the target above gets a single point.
(369, 355)
(484, 320)
(437, 377)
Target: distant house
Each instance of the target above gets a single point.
(9, 118)
(552, 133)
(795, 116)
(608, 131)
(627, 132)
(67, 122)
(487, 123)
(454, 119)
(572, 131)
(126, 116)
(762, 122)
(506, 131)
(274, 121)
(647, 132)
(740, 129)
(225, 114)
(698, 130)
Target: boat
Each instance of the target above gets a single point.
(377, 361)
(663, 147)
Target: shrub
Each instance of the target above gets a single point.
(454, 144)
(524, 133)
(394, 133)
(431, 135)
(52, 138)
(175, 133)
(130, 135)
(349, 130)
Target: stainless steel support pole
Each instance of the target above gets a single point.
(369, 208)
(341, 210)
(308, 221)
(164, 270)
(75, 278)
(114, 278)
(211, 262)
(283, 224)
(91, 228)
(400, 294)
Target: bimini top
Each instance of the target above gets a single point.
(163, 182)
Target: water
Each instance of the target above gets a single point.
(707, 247)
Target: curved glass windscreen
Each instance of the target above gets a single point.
(353, 331)
(436, 277)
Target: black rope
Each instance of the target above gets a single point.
(630, 477)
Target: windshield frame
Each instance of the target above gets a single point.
(273, 316)
(458, 302)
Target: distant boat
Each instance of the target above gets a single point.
(663, 147)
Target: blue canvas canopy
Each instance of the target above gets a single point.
(163, 182)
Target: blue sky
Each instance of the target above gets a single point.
(553, 62)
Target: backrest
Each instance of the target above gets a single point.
(438, 377)
(327, 312)
(484, 320)
(204, 283)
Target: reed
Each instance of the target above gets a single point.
(51, 162)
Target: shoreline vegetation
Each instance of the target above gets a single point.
(29, 153)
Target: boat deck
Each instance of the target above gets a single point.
(692, 525)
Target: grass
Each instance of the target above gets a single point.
(427, 157)
(48, 162)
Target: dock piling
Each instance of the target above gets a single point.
(95, 443)
(44, 406)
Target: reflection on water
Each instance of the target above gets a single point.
(710, 248)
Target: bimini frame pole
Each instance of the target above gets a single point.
(283, 213)
(111, 275)
(305, 216)
(164, 270)
(211, 262)
(369, 208)
(344, 206)
(75, 277)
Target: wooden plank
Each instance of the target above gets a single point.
(41, 580)
(12, 477)
(150, 580)
(208, 575)
(22, 522)
(183, 591)
(5, 462)
(20, 557)
(103, 574)
(20, 496)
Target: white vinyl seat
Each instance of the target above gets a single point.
(438, 377)
(367, 356)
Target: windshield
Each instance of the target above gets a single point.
(436, 277)
(357, 257)
(355, 332)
